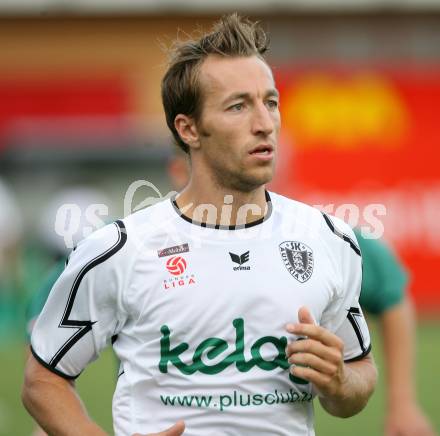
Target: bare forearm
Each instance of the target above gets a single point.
(404, 416)
(58, 413)
(360, 380)
(398, 344)
(55, 405)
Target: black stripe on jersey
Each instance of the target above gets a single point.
(85, 326)
(68, 257)
(54, 370)
(354, 312)
(361, 356)
(343, 236)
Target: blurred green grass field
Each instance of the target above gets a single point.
(97, 382)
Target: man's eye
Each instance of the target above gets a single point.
(273, 104)
(236, 107)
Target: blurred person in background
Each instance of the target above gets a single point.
(383, 295)
(11, 271)
(106, 264)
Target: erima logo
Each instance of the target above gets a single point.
(240, 260)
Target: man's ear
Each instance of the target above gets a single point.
(187, 130)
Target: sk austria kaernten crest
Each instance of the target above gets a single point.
(298, 259)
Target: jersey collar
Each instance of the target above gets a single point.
(222, 227)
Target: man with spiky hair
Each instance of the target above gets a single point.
(229, 307)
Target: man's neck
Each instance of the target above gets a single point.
(220, 206)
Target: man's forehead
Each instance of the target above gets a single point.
(235, 74)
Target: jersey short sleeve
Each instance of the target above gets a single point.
(343, 316)
(39, 297)
(384, 277)
(84, 308)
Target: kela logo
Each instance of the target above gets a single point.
(210, 348)
(298, 259)
(176, 266)
(240, 260)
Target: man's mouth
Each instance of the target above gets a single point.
(263, 150)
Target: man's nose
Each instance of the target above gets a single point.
(262, 121)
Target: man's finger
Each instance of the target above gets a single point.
(176, 430)
(304, 316)
(310, 346)
(315, 362)
(307, 346)
(321, 381)
(315, 332)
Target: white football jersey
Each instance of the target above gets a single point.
(197, 315)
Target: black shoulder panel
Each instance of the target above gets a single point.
(343, 236)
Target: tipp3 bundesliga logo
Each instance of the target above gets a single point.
(240, 260)
(176, 266)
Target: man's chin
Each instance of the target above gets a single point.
(253, 182)
(265, 175)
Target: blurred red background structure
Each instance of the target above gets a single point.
(369, 136)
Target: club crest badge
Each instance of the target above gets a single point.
(298, 259)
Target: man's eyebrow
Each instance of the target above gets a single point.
(237, 96)
(273, 93)
(246, 96)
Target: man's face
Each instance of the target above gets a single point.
(239, 122)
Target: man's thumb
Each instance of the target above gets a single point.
(304, 316)
(176, 430)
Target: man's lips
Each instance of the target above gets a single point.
(263, 153)
(263, 149)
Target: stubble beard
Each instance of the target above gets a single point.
(229, 180)
(237, 181)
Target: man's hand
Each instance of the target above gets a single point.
(344, 388)
(176, 430)
(407, 420)
(319, 356)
